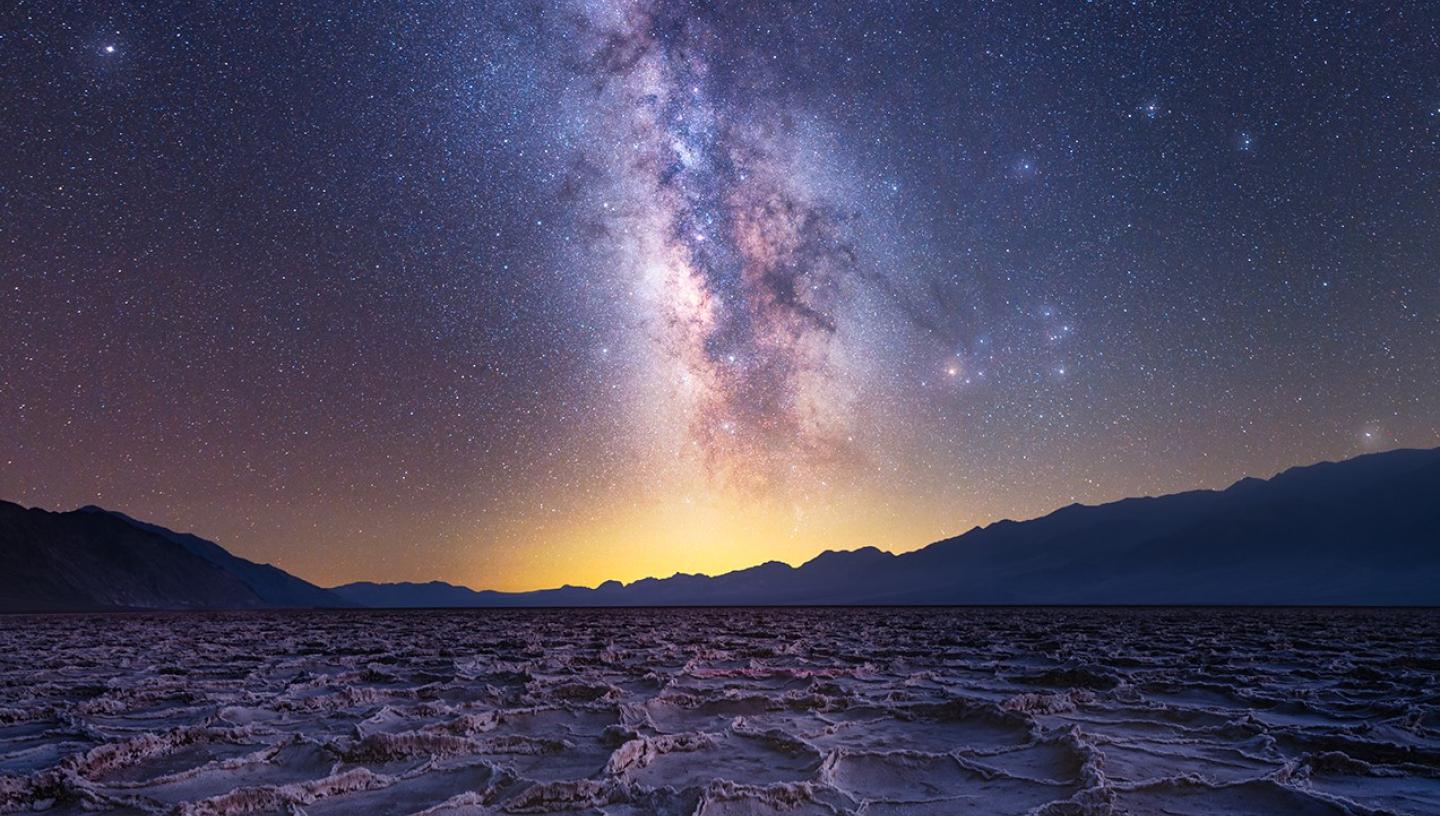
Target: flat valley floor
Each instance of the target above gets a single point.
(724, 711)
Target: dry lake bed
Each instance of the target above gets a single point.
(724, 711)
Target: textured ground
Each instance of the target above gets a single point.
(724, 712)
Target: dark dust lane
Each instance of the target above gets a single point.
(741, 711)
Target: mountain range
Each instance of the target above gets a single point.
(95, 559)
(1362, 531)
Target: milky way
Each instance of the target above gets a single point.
(518, 294)
(745, 265)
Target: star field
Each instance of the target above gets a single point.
(517, 294)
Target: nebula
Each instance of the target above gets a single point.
(748, 266)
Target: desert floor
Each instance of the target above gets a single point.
(738, 711)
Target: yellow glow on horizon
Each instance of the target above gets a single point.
(708, 533)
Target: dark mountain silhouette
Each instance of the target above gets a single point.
(1363, 531)
(274, 586)
(93, 559)
(73, 561)
(406, 594)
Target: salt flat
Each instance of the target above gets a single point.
(724, 711)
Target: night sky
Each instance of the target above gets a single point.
(517, 295)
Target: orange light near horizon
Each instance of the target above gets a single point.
(697, 531)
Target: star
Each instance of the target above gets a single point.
(645, 250)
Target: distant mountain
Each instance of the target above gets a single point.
(72, 561)
(93, 559)
(406, 594)
(274, 586)
(1363, 531)
(822, 580)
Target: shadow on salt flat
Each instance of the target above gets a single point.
(288, 764)
(420, 792)
(1190, 797)
(695, 760)
(937, 781)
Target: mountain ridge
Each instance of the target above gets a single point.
(87, 561)
(1360, 531)
(274, 586)
(93, 559)
(1119, 528)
